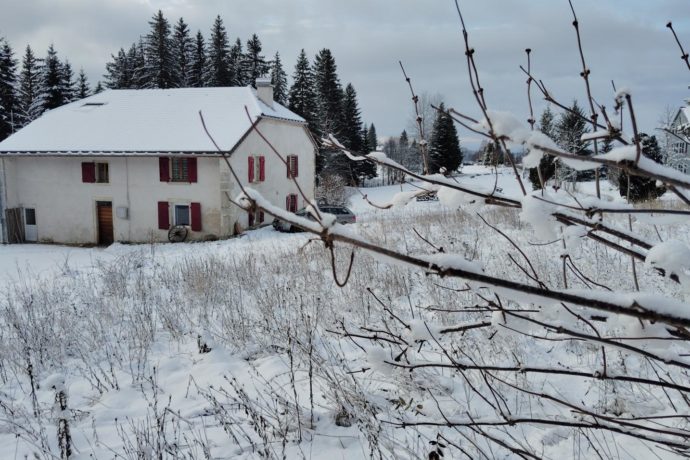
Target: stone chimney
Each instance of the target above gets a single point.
(264, 91)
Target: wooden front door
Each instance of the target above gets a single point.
(104, 213)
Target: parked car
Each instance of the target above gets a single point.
(342, 216)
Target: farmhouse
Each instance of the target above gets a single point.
(127, 165)
(679, 139)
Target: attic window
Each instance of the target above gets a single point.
(93, 104)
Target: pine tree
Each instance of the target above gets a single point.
(410, 157)
(83, 89)
(218, 73)
(253, 62)
(373, 138)
(158, 72)
(52, 81)
(547, 164)
(490, 155)
(366, 146)
(183, 51)
(643, 188)
(302, 98)
(444, 148)
(8, 96)
(329, 94)
(99, 88)
(117, 74)
(198, 64)
(279, 81)
(30, 94)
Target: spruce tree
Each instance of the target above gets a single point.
(373, 138)
(571, 126)
(444, 147)
(329, 94)
(117, 73)
(30, 94)
(253, 62)
(643, 188)
(69, 85)
(302, 97)
(8, 97)
(52, 81)
(235, 64)
(279, 81)
(366, 146)
(218, 73)
(83, 89)
(547, 164)
(198, 64)
(352, 138)
(158, 71)
(183, 50)
(99, 88)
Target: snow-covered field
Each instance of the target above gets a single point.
(238, 348)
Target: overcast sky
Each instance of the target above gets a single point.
(624, 40)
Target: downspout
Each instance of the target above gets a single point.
(3, 201)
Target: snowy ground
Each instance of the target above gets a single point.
(227, 349)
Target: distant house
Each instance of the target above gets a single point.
(679, 140)
(127, 165)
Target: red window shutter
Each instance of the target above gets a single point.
(289, 166)
(195, 211)
(250, 169)
(261, 217)
(163, 215)
(294, 202)
(295, 167)
(191, 169)
(287, 202)
(164, 168)
(88, 172)
(250, 217)
(262, 168)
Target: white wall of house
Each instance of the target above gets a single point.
(66, 207)
(288, 139)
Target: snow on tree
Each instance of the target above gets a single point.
(182, 48)
(235, 64)
(99, 88)
(570, 127)
(253, 64)
(198, 62)
(352, 139)
(53, 81)
(159, 69)
(118, 71)
(31, 95)
(302, 95)
(83, 89)
(218, 72)
(373, 137)
(8, 96)
(279, 80)
(69, 85)
(329, 93)
(444, 146)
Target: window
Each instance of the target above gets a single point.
(291, 202)
(256, 168)
(29, 216)
(102, 176)
(177, 169)
(95, 173)
(292, 166)
(182, 215)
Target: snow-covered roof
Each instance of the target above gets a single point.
(146, 121)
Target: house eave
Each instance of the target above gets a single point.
(105, 153)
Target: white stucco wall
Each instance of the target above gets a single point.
(288, 139)
(66, 207)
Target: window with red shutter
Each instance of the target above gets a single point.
(250, 218)
(292, 168)
(163, 215)
(88, 172)
(164, 169)
(261, 217)
(262, 168)
(195, 209)
(291, 202)
(250, 169)
(295, 166)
